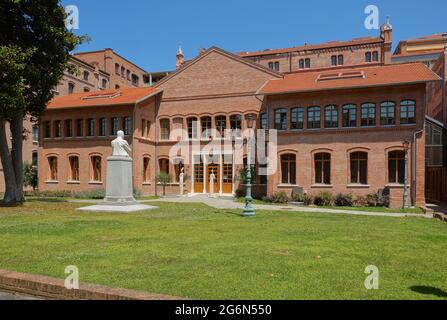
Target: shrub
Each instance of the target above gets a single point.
(49, 194)
(137, 193)
(308, 199)
(375, 200)
(323, 199)
(279, 197)
(93, 194)
(360, 201)
(29, 175)
(297, 197)
(343, 200)
(164, 179)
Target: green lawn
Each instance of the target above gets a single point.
(194, 251)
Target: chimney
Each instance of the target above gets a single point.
(386, 33)
(179, 56)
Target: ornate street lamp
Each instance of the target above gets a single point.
(248, 209)
(406, 145)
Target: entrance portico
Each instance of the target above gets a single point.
(221, 165)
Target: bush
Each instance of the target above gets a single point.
(360, 201)
(29, 175)
(137, 193)
(49, 194)
(94, 194)
(343, 200)
(279, 197)
(298, 197)
(323, 199)
(308, 199)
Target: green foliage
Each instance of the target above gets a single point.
(343, 200)
(323, 199)
(360, 201)
(375, 200)
(49, 194)
(96, 194)
(279, 197)
(30, 175)
(164, 179)
(243, 174)
(308, 199)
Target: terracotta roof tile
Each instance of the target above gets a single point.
(102, 98)
(350, 78)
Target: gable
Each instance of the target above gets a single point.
(216, 73)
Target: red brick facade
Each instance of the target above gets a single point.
(220, 89)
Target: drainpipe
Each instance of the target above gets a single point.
(414, 164)
(157, 106)
(133, 144)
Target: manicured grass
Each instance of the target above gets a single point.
(378, 209)
(195, 251)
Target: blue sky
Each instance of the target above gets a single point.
(149, 32)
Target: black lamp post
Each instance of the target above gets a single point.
(248, 209)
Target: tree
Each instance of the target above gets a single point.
(29, 175)
(34, 53)
(164, 179)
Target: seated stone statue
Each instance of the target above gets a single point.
(120, 147)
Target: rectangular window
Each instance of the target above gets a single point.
(375, 56)
(90, 127)
(264, 120)
(206, 127)
(408, 112)
(68, 128)
(164, 129)
(79, 128)
(221, 125)
(236, 124)
(192, 128)
(35, 133)
(330, 117)
(47, 129)
(114, 126)
(396, 167)
(57, 128)
(276, 65)
(127, 125)
(102, 127)
(297, 118)
(359, 167)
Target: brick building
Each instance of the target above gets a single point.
(338, 130)
(330, 55)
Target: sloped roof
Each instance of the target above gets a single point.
(350, 78)
(123, 96)
(326, 45)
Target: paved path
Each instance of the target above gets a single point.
(222, 203)
(226, 203)
(10, 296)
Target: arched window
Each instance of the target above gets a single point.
(349, 116)
(52, 166)
(164, 165)
(297, 118)
(146, 169)
(313, 118)
(323, 168)
(164, 129)
(192, 127)
(387, 113)
(221, 125)
(281, 119)
(408, 112)
(396, 167)
(359, 167)
(74, 168)
(288, 169)
(368, 57)
(330, 117)
(96, 168)
(368, 115)
(264, 120)
(205, 123)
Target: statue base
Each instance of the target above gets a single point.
(119, 189)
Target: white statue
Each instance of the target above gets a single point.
(212, 179)
(120, 147)
(181, 177)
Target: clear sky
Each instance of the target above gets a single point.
(149, 32)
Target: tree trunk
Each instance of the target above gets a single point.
(10, 196)
(17, 155)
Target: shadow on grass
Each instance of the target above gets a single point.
(46, 200)
(429, 291)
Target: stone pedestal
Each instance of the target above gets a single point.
(119, 188)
